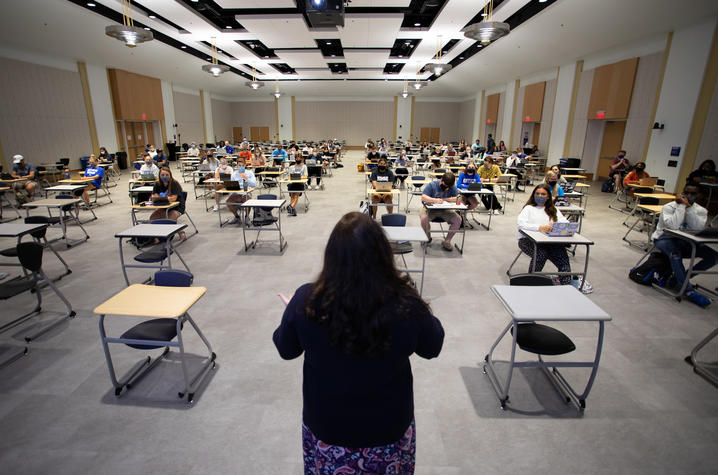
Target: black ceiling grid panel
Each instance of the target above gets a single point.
(479, 16)
(420, 15)
(283, 68)
(219, 51)
(404, 48)
(520, 16)
(257, 48)
(257, 71)
(223, 19)
(447, 47)
(151, 14)
(393, 68)
(330, 47)
(115, 16)
(338, 68)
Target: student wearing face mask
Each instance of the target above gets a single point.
(440, 191)
(168, 187)
(489, 171)
(562, 182)
(618, 168)
(551, 179)
(296, 189)
(684, 214)
(466, 177)
(402, 164)
(223, 172)
(636, 175)
(241, 175)
(381, 174)
(539, 214)
(149, 166)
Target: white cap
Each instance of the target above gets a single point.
(17, 159)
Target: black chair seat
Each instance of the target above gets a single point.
(9, 252)
(401, 247)
(543, 340)
(16, 286)
(161, 329)
(156, 254)
(263, 222)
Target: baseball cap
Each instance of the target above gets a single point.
(17, 159)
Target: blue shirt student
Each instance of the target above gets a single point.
(95, 171)
(560, 190)
(465, 179)
(435, 190)
(280, 153)
(237, 176)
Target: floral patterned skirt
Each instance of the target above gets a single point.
(323, 459)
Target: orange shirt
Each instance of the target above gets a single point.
(633, 177)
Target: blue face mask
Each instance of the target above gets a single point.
(165, 179)
(620, 155)
(241, 169)
(540, 200)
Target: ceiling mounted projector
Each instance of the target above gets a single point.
(325, 13)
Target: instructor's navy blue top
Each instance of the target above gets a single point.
(356, 401)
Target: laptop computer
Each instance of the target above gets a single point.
(384, 186)
(295, 176)
(504, 179)
(475, 186)
(563, 229)
(231, 185)
(648, 181)
(204, 167)
(147, 177)
(160, 200)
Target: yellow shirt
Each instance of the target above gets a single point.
(489, 173)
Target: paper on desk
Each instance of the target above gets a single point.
(444, 204)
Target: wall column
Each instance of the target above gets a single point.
(563, 110)
(285, 114)
(88, 106)
(682, 82)
(99, 89)
(402, 129)
(168, 104)
(478, 116)
(507, 124)
(208, 127)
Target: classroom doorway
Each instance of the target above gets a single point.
(612, 142)
(136, 134)
(237, 135)
(259, 134)
(430, 134)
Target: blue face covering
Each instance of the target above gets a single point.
(540, 200)
(241, 169)
(165, 179)
(620, 155)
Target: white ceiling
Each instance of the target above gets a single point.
(566, 31)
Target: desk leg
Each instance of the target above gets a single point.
(191, 385)
(490, 370)
(423, 266)
(122, 263)
(699, 367)
(585, 271)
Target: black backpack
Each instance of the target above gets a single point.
(607, 186)
(657, 268)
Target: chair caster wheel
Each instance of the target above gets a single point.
(483, 369)
(180, 395)
(118, 391)
(72, 314)
(214, 356)
(678, 299)
(503, 405)
(582, 403)
(688, 360)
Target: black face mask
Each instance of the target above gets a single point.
(382, 168)
(443, 187)
(552, 183)
(470, 171)
(640, 170)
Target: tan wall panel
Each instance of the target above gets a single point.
(600, 90)
(345, 120)
(222, 119)
(253, 114)
(134, 95)
(466, 120)
(42, 113)
(619, 96)
(444, 115)
(492, 108)
(533, 101)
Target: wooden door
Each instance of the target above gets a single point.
(435, 135)
(124, 138)
(151, 135)
(237, 134)
(264, 134)
(425, 134)
(612, 142)
(537, 133)
(259, 134)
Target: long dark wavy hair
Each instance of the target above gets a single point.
(548, 206)
(359, 289)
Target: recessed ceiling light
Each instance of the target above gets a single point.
(334, 56)
(147, 29)
(401, 55)
(183, 47)
(90, 4)
(209, 59)
(542, 1)
(329, 42)
(461, 57)
(266, 57)
(227, 27)
(153, 17)
(417, 24)
(483, 14)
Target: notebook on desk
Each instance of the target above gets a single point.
(504, 179)
(160, 201)
(563, 229)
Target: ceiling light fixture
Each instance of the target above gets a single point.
(418, 84)
(227, 27)
(153, 16)
(405, 93)
(90, 4)
(487, 30)
(254, 84)
(128, 32)
(214, 68)
(417, 24)
(276, 92)
(438, 68)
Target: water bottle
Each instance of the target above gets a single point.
(244, 185)
(67, 174)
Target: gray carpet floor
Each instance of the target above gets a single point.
(648, 411)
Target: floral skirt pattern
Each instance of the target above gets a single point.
(394, 459)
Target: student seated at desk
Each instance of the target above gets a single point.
(562, 182)
(228, 149)
(21, 169)
(240, 175)
(706, 173)
(539, 214)
(357, 331)
(149, 166)
(104, 156)
(467, 177)
(636, 175)
(279, 155)
(439, 191)
(314, 160)
(372, 156)
(551, 180)
(381, 174)
(296, 189)
(168, 187)
(501, 147)
(193, 151)
(487, 172)
(684, 214)
(402, 164)
(244, 153)
(223, 172)
(90, 171)
(617, 169)
(258, 159)
(161, 159)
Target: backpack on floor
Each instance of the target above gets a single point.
(657, 268)
(364, 207)
(608, 185)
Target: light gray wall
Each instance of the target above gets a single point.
(580, 122)
(547, 116)
(708, 147)
(253, 114)
(444, 115)
(222, 119)
(517, 137)
(466, 120)
(352, 121)
(188, 116)
(42, 113)
(642, 102)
